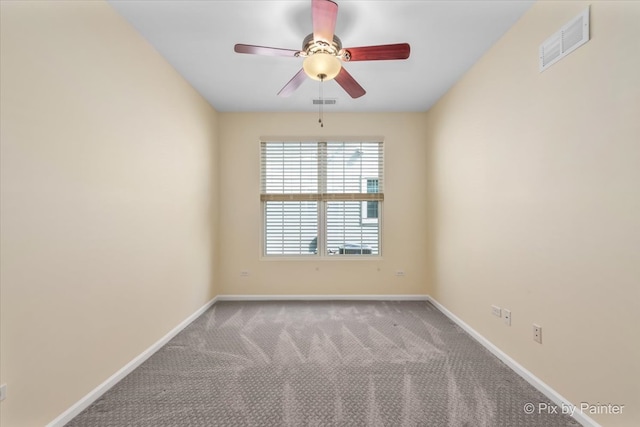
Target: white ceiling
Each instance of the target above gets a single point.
(197, 38)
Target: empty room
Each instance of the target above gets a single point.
(314, 212)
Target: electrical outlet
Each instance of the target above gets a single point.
(400, 273)
(3, 392)
(506, 316)
(244, 273)
(495, 310)
(537, 333)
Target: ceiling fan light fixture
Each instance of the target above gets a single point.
(322, 66)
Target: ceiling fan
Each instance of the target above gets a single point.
(323, 52)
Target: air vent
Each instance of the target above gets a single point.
(324, 101)
(570, 37)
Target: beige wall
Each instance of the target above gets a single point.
(405, 225)
(110, 203)
(108, 170)
(536, 203)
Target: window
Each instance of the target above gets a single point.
(321, 198)
(370, 207)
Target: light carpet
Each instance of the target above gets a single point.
(321, 363)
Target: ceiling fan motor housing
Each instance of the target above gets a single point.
(311, 46)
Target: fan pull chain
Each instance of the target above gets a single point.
(321, 106)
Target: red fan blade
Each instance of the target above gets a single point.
(382, 52)
(262, 50)
(349, 84)
(324, 13)
(293, 84)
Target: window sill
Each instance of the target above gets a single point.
(316, 258)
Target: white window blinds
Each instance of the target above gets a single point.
(322, 198)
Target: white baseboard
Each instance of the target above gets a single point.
(95, 394)
(323, 297)
(540, 385)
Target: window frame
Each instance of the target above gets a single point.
(322, 251)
